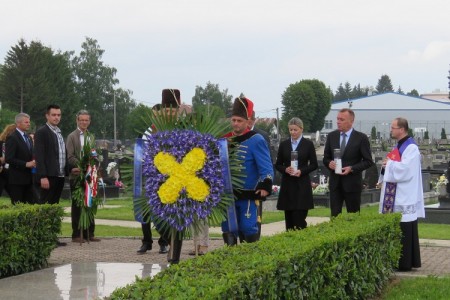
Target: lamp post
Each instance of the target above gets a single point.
(115, 122)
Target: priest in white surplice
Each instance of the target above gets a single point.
(402, 191)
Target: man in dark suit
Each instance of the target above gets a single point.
(51, 157)
(19, 156)
(356, 157)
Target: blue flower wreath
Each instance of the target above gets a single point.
(178, 143)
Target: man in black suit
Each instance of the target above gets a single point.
(356, 158)
(19, 156)
(51, 157)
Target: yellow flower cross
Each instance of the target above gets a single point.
(182, 175)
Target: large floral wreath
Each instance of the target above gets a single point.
(184, 176)
(184, 172)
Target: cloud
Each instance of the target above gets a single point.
(435, 50)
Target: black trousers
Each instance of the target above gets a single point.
(410, 256)
(4, 179)
(147, 232)
(337, 199)
(21, 193)
(295, 219)
(52, 195)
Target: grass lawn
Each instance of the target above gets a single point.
(417, 288)
(122, 209)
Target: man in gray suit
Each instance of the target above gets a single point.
(74, 144)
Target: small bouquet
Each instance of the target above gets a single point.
(111, 167)
(322, 187)
(441, 184)
(86, 184)
(275, 189)
(119, 184)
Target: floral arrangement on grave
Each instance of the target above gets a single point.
(87, 182)
(322, 187)
(440, 185)
(112, 170)
(275, 189)
(184, 172)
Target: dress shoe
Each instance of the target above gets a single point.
(60, 244)
(163, 249)
(77, 240)
(201, 250)
(94, 239)
(144, 248)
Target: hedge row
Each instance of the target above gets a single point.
(28, 234)
(351, 257)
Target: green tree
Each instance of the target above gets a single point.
(400, 91)
(95, 87)
(413, 93)
(343, 92)
(358, 91)
(443, 134)
(137, 120)
(323, 96)
(6, 118)
(384, 85)
(426, 135)
(33, 77)
(346, 92)
(211, 98)
(300, 100)
(373, 133)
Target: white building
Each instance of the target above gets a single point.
(379, 111)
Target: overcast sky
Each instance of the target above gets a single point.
(257, 47)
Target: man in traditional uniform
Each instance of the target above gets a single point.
(402, 191)
(258, 174)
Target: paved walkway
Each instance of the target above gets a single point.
(435, 253)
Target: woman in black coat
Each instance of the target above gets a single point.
(295, 196)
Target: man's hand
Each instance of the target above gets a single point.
(332, 165)
(45, 184)
(346, 170)
(75, 171)
(30, 164)
(262, 193)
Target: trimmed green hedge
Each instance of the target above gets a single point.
(28, 234)
(351, 257)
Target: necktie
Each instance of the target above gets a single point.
(27, 140)
(343, 142)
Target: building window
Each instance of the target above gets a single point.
(328, 124)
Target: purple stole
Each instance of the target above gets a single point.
(391, 187)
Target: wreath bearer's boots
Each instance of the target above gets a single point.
(173, 256)
(252, 238)
(229, 238)
(146, 246)
(241, 237)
